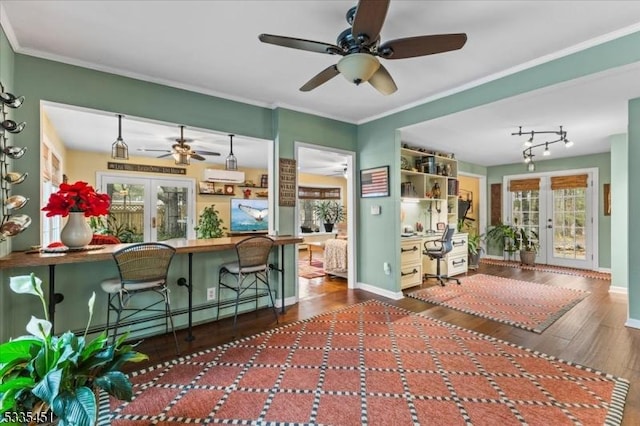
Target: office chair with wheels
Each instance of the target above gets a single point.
(143, 269)
(439, 250)
(250, 271)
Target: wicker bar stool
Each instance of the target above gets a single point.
(143, 269)
(250, 271)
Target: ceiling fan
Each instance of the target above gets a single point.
(360, 45)
(182, 151)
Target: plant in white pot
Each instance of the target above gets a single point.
(330, 213)
(55, 379)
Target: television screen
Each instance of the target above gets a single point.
(249, 215)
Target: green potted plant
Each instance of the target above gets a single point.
(475, 249)
(45, 377)
(527, 243)
(504, 237)
(210, 224)
(330, 212)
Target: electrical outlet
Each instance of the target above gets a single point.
(211, 293)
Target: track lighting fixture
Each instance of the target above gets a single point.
(119, 149)
(527, 153)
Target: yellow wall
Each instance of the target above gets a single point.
(472, 185)
(77, 162)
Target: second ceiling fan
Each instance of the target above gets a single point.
(182, 152)
(360, 46)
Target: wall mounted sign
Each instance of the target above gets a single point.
(287, 182)
(146, 168)
(374, 182)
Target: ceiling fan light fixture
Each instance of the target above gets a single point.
(182, 158)
(358, 67)
(231, 162)
(119, 149)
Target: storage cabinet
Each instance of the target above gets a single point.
(411, 262)
(454, 263)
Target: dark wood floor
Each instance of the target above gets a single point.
(591, 334)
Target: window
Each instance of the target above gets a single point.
(51, 172)
(309, 197)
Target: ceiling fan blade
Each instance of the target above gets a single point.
(412, 47)
(298, 43)
(320, 78)
(165, 155)
(151, 150)
(217, 154)
(368, 21)
(382, 81)
(197, 156)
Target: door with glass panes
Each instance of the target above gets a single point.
(560, 210)
(149, 209)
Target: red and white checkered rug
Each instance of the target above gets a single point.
(371, 364)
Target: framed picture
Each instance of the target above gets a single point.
(607, 199)
(440, 226)
(374, 182)
(206, 188)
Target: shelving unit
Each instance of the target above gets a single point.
(12, 223)
(431, 178)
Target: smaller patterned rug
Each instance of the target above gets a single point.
(549, 268)
(522, 304)
(315, 270)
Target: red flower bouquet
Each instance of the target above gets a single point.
(79, 197)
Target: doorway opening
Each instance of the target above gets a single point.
(326, 259)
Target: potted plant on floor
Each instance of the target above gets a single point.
(503, 236)
(46, 378)
(330, 213)
(527, 243)
(474, 249)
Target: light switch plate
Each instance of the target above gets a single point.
(375, 210)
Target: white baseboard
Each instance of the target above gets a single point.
(288, 301)
(380, 292)
(618, 290)
(604, 270)
(633, 323)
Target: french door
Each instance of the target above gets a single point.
(560, 209)
(150, 209)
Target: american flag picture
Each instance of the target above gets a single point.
(374, 182)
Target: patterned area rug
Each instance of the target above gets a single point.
(549, 268)
(523, 304)
(371, 364)
(314, 270)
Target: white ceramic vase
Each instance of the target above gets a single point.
(76, 233)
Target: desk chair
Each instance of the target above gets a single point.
(251, 270)
(439, 250)
(143, 268)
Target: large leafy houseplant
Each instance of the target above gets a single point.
(329, 212)
(210, 223)
(44, 376)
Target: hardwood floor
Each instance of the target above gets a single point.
(591, 334)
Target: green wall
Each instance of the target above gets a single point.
(634, 212)
(619, 211)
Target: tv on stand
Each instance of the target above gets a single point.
(249, 216)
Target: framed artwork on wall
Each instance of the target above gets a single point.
(374, 182)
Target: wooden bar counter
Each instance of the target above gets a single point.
(31, 259)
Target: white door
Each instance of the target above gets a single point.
(561, 212)
(150, 209)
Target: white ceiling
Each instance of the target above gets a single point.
(212, 47)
